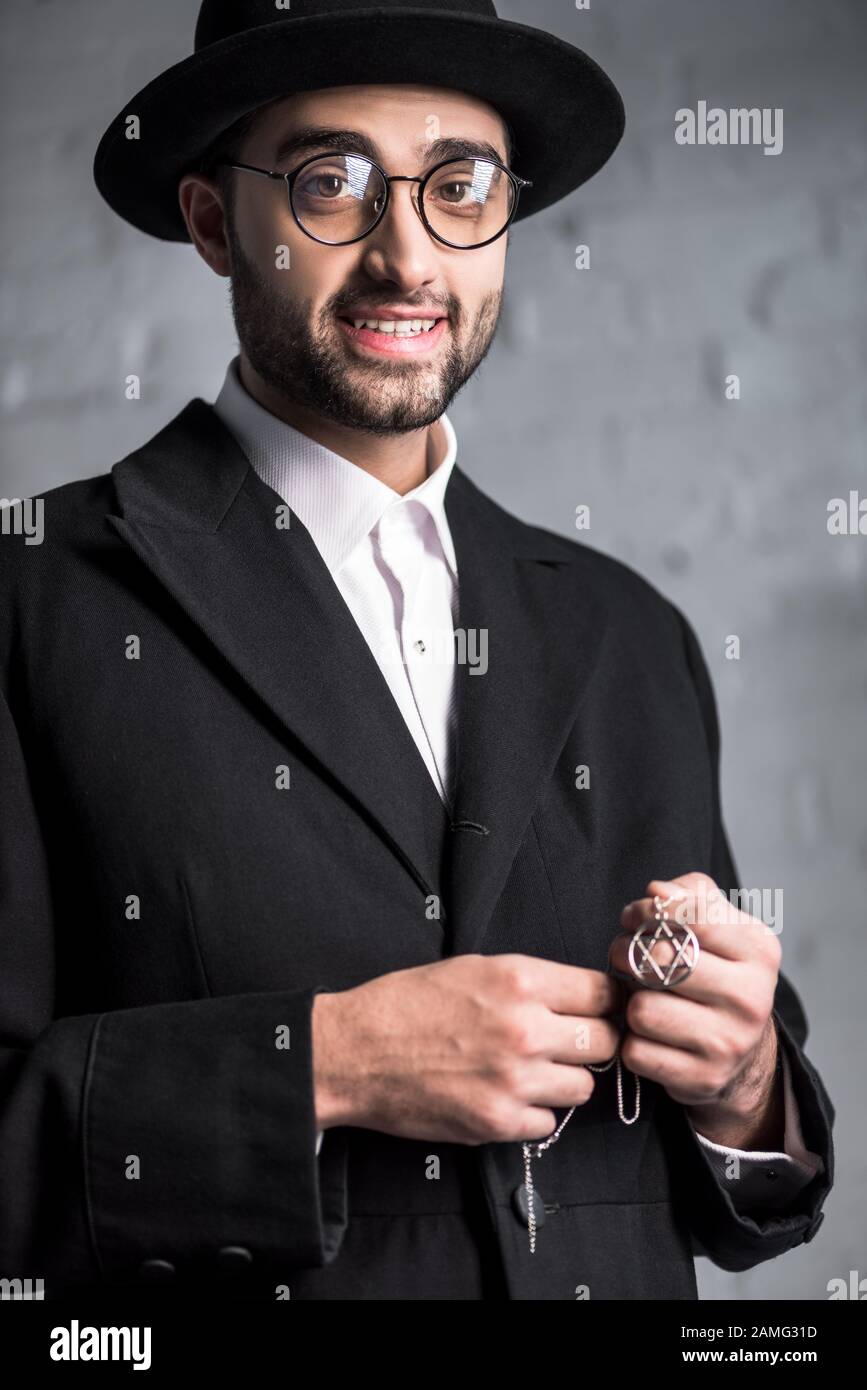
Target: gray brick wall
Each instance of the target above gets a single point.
(605, 387)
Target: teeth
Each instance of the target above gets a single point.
(401, 328)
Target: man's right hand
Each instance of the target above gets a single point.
(470, 1050)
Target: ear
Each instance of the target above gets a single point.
(204, 212)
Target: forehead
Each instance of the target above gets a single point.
(397, 118)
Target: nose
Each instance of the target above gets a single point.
(400, 250)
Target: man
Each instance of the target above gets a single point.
(316, 927)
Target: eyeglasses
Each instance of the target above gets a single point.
(338, 199)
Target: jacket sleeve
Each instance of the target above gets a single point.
(790, 1167)
(731, 1239)
(136, 1145)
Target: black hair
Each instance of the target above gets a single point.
(225, 150)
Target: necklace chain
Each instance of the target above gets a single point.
(660, 915)
(543, 1144)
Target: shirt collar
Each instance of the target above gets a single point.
(336, 501)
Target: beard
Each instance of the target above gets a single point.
(302, 359)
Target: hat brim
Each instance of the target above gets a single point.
(566, 114)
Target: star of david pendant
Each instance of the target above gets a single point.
(649, 965)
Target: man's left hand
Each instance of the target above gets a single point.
(709, 1041)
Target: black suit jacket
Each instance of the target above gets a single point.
(166, 910)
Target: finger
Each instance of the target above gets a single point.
(680, 1023)
(695, 885)
(714, 980)
(729, 933)
(552, 1084)
(671, 1067)
(700, 902)
(575, 990)
(696, 898)
(534, 1123)
(579, 1040)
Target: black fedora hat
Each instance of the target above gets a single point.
(566, 115)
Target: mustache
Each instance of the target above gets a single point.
(445, 307)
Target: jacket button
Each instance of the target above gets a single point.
(811, 1230)
(233, 1259)
(156, 1271)
(521, 1207)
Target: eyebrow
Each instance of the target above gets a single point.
(312, 138)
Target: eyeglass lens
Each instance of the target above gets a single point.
(339, 197)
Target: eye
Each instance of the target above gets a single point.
(453, 191)
(465, 186)
(322, 184)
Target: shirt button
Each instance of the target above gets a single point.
(419, 646)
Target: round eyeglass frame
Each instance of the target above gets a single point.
(388, 179)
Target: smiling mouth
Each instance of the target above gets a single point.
(394, 338)
(398, 328)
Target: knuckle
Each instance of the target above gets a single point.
(513, 1034)
(715, 1081)
(512, 973)
(755, 1008)
(521, 1033)
(723, 1049)
(497, 1116)
(511, 1077)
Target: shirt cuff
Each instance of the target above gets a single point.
(756, 1178)
(319, 1134)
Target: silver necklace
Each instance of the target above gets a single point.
(526, 1195)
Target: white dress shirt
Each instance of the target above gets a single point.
(390, 555)
(392, 558)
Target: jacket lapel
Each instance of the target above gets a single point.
(520, 587)
(199, 517)
(202, 521)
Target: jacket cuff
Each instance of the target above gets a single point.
(737, 1240)
(199, 1124)
(766, 1179)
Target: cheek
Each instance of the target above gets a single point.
(271, 243)
(479, 285)
(304, 270)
